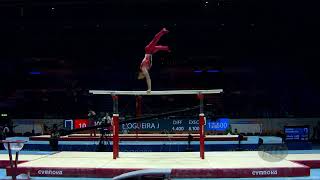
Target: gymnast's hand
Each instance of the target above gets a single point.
(149, 91)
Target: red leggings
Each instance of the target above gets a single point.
(152, 47)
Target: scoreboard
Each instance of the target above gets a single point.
(177, 124)
(220, 124)
(81, 123)
(296, 133)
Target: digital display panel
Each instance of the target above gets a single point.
(296, 133)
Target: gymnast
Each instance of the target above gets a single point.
(150, 49)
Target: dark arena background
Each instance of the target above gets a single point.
(263, 55)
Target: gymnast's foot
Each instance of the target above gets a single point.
(165, 30)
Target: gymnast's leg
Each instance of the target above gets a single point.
(157, 37)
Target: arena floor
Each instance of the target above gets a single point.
(297, 164)
(184, 165)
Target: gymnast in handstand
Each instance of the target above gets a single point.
(150, 49)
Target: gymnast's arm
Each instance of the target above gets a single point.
(148, 79)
